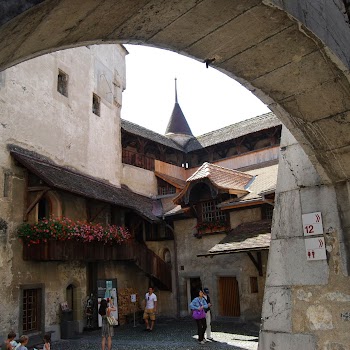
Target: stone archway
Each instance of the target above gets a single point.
(299, 71)
(263, 47)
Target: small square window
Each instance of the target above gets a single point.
(62, 83)
(96, 105)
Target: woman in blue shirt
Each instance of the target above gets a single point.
(199, 303)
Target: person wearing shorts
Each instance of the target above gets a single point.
(150, 309)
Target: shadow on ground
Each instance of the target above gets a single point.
(169, 334)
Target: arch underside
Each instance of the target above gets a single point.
(262, 47)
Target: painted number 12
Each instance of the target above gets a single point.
(309, 228)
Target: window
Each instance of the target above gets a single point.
(31, 304)
(96, 104)
(254, 288)
(165, 188)
(267, 211)
(211, 213)
(43, 209)
(62, 83)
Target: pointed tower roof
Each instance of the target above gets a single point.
(178, 123)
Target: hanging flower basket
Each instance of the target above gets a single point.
(64, 229)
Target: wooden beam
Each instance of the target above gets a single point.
(34, 203)
(257, 263)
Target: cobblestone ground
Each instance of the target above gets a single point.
(169, 334)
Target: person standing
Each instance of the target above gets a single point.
(23, 341)
(150, 309)
(199, 303)
(207, 313)
(107, 329)
(6, 345)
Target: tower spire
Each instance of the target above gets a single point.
(176, 90)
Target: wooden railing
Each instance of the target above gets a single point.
(136, 159)
(144, 258)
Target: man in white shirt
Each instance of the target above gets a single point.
(150, 309)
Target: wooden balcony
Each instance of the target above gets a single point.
(136, 159)
(132, 251)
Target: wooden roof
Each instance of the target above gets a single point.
(81, 184)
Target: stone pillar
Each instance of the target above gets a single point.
(305, 302)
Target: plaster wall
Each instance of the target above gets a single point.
(307, 303)
(211, 269)
(139, 180)
(64, 128)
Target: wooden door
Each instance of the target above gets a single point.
(229, 297)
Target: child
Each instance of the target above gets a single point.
(23, 341)
(47, 340)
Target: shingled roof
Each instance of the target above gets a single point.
(233, 131)
(248, 236)
(149, 134)
(229, 180)
(265, 179)
(261, 122)
(81, 184)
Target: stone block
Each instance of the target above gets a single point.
(295, 170)
(287, 265)
(277, 309)
(287, 215)
(303, 75)
(287, 138)
(319, 198)
(286, 341)
(307, 105)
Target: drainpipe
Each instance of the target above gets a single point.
(176, 272)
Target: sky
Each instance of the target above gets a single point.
(208, 98)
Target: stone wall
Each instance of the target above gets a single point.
(305, 302)
(211, 269)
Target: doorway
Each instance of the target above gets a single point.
(229, 297)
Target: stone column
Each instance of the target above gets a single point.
(305, 302)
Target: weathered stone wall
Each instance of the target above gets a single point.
(306, 302)
(36, 116)
(210, 269)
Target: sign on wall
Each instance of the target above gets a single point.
(315, 248)
(312, 224)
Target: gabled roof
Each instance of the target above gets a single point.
(228, 180)
(233, 131)
(81, 184)
(149, 134)
(248, 236)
